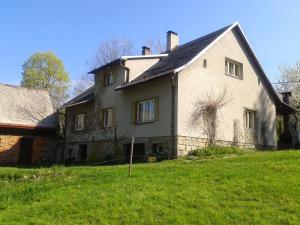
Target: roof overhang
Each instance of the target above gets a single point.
(22, 129)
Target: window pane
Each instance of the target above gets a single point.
(237, 70)
(231, 68)
(152, 110)
(105, 118)
(140, 112)
(109, 117)
(147, 111)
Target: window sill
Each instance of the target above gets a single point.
(239, 78)
(106, 128)
(251, 130)
(145, 122)
(79, 130)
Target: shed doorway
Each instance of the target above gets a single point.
(26, 145)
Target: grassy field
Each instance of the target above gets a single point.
(254, 188)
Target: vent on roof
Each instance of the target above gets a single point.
(172, 40)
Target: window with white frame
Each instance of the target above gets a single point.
(107, 117)
(250, 122)
(146, 111)
(79, 122)
(233, 68)
(109, 79)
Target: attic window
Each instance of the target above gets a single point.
(233, 68)
(204, 63)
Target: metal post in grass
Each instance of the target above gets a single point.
(131, 154)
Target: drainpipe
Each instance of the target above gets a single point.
(173, 115)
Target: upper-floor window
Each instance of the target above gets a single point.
(250, 121)
(107, 117)
(233, 68)
(109, 79)
(79, 122)
(146, 111)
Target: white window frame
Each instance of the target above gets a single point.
(107, 117)
(79, 122)
(234, 64)
(143, 118)
(109, 79)
(250, 119)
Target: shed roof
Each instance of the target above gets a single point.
(28, 107)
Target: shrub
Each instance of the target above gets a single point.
(216, 151)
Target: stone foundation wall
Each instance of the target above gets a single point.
(109, 149)
(113, 149)
(186, 144)
(10, 149)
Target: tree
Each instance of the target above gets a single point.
(289, 80)
(156, 45)
(107, 52)
(205, 113)
(46, 70)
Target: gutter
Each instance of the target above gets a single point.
(173, 115)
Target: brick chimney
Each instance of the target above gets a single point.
(172, 40)
(146, 50)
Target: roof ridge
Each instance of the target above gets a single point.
(21, 87)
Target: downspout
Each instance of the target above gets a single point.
(173, 148)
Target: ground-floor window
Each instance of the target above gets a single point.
(250, 121)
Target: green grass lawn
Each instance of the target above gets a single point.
(255, 188)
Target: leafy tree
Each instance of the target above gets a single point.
(46, 70)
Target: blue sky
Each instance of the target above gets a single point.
(74, 29)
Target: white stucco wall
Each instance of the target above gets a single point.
(195, 82)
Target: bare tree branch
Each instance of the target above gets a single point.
(205, 113)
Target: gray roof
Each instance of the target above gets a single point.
(26, 107)
(178, 57)
(86, 96)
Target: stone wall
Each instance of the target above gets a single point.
(10, 149)
(102, 150)
(186, 144)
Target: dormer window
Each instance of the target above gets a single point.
(109, 79)
(233, 68)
